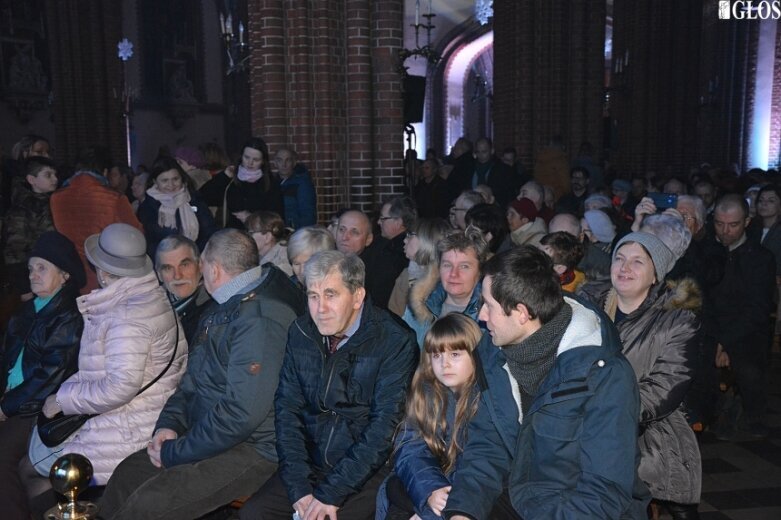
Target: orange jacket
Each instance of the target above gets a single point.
(83, 208)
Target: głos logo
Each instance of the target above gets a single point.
(750, 10)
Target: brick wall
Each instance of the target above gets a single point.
(774, 153)
(549, 57)
(324, 80)
(86, 74)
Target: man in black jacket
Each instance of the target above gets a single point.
(741, 305)
(341, 394)
(214, 439)
(178, 266)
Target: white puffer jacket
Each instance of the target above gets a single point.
(129, 333)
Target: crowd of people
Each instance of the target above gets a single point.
(496, 344)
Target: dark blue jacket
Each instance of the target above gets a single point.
(225, 397)
(148, 215)
(417, 467)
(575, 455)
(336, 414)
(299, 198)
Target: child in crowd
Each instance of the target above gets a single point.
(442, 400)
(566, 251)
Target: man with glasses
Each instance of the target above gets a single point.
(463, 203)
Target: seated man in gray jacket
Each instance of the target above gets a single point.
(214, 439)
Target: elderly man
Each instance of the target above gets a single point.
(383, 265)
(178, 266)
(463, 203)
(555, 434)
(535, 192)
(341, 394)
(214, 439)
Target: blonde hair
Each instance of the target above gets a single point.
(428, 402)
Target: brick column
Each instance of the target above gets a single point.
(324, 80)
(549, 58)
(655, 105)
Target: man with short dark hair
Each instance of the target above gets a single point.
(572, 202)
(741, 305)
(492, 172)
(341, 394)
(214, 439)
(557, 426)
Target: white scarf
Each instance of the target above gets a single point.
(170, 203)
(249, 175)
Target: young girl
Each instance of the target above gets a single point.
(442, 400)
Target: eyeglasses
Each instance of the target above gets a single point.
(383, 219)
(411, 234)
(454, 209)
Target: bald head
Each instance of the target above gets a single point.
(534, 192)
(354, 232)
(567, 223)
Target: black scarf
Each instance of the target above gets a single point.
(531, 360)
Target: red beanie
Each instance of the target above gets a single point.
(525, 208)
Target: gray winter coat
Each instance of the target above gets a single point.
(660, 339)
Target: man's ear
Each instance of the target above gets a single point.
(523, 313)
(358, 297)
(369, 239)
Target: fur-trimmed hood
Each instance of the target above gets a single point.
(419, 293)
(684, 294)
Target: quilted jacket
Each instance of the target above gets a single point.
(129, 338)
(336, 414)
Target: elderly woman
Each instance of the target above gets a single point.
(40, 351)
(268, 230)
(420, 248)
(658, 329)
(303, 244)
(171, 207)
(460, 256)
(131, 338)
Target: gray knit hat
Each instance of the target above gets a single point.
(661, 256)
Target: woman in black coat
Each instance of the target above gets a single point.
(173, 207)
(41, 350)
(246, 188)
